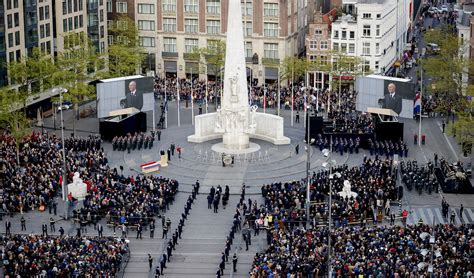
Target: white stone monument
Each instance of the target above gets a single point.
(77, 188)
(235, 121)
(346, 190)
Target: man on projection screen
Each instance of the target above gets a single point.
(134, 98)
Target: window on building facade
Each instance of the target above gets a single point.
(376, 65)
(336, 34)
(313, 44)
(146, 25)
(270, 50)
(15, 4)
(323, 45)
(81, 21)
(366, 31)
(343, 35)
(121, 7)
(80, 5)
(146, 8)
(248, 50)
(213, 6)
(270, 29)
(366, 66)
(248, 28)
(42, 33)
(17, 38)
(318, 32)
(247, 8)
(47, 28)
(16, 19)
(213, 26)
(110, 39)
(69, 6)
(191, 25)
(169, 44)
(335, 46)
(169, 24)
(344, 47)
(9, 4)
(122, 25)
(102, 32)
(46, 12)
(10, 21)
(65, 25)
(377, 48)
(101, 15)
(76, 22)
(377, 30)
(270, 9)
(169, 5)
(10, 40)
(147, 41)
(69, 23)
(191, 6)
(351, 35)
(366, 15)
(109, 6)
(366, 48)
(190, 45)
(41, 13)
(75, 6)
(351, 48)
(379, 16)
(212, 44)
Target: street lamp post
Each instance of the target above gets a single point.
(308, 174)
(63, 185)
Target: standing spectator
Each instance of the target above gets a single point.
(234, 262)
(150, 261)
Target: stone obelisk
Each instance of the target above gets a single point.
(234, 114)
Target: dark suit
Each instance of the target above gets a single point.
(134, 100)
(394, 103)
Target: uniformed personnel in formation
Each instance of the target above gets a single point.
(133, 142)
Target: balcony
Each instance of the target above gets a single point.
(191, 56)
(270, 61)
(169, 54)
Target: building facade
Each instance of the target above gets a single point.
(26, 24)
(375, 30)
(171, 29)
(318, 45)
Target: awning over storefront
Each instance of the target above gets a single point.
(271, 73)
(171, 66)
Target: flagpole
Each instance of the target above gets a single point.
(305, 99)
(166, 106)
(278, 91)
(206, 92)
(192, 98)
(264, 93)
(421, 102)
(177, 93)
(292, 89)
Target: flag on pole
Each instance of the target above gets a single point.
(417, 104)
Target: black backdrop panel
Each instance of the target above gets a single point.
(389, 131)
(132, 124)
(315, 126)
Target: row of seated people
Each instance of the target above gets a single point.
(62, 256)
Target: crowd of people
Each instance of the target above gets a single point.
(63, 256)
(341, 145)
(374, 182)
(353, 123)
(376, 251)
(32, 176)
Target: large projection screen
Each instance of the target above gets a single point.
(115, 93)
(372, 91)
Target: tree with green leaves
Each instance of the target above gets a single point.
(32, 74)
(77, 66)
(211, 57)
(449, 69)
(13, 120)
(293, 68)
(124, 54)
(345, 65)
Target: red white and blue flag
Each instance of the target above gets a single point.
(417, 104)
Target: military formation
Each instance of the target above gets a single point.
(388, 148)
(420, 178)
(341, 145)
(82, 143)
(133, 141)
